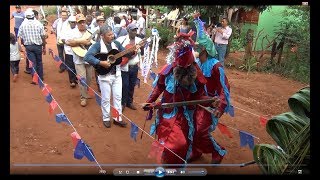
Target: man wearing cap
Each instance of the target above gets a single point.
(83, 69)
(100, 22)
(18, 16)
(180, 80)
(129, 67)
(33, 34)
(67, 32)
(217, 85)
(110, 82)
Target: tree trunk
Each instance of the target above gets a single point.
(248, 48)
(273, 51)
(281, 44)
(84, 10)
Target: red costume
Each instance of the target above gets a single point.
(217, 85)
(174, 126)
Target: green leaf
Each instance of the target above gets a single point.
(299, 103)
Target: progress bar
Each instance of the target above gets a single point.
(120, 165)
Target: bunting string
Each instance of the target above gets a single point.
(124, 116)
(57, 104)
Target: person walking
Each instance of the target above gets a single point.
(33, 34)
(15, 49)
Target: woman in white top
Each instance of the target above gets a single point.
(15, 50)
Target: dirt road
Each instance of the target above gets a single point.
(35, 137)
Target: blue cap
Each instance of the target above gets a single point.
(132, 26)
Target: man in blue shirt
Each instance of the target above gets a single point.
(18, 19)
(110, 82)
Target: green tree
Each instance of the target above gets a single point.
(294, 32)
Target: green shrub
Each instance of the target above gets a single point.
(249, 64)
(165, 34)
(292, 67)
(50, 10)
(107, 11)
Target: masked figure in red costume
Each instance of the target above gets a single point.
(179, 80)
(217, 85)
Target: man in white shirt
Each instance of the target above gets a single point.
(222, 36)
(67, 32)
(83, 69)
(61, 24)
(129, 67)
(141, 26)
(111, 82)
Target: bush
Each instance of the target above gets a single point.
(107, 11)
(50, 10)
(249, 65)
(165, 34)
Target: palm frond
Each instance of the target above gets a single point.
(299, 103)
(291, 131)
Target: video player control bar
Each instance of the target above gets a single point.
(159, 172)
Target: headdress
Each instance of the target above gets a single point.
(181, 51)
(203, 39)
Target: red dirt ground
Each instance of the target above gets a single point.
(35, 137)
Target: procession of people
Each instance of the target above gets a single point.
(195, 73)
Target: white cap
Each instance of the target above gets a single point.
(72, 19)
(29, 13)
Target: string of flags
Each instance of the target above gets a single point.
(245, 137)
(81, 148)
(134, 130)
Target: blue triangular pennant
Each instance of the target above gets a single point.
(231, 111)
(246, 138)
(83, 81)
(98, 99)
(49, 98)
(138, 82)
(134, 131)
(153, 75)
(78, 151)
(88, 152)
(82, 149)
(62, 118)
(56, 58)
(41, 85)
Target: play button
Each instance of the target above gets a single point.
(159, 172)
